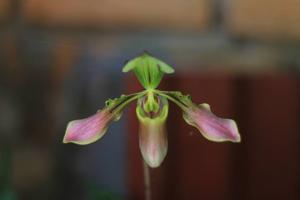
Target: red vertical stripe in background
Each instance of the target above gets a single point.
(204, 166)
(274, 116)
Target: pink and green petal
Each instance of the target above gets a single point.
(88, 130)
(91, 129)
(212, 127)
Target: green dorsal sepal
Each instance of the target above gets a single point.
(148, 69)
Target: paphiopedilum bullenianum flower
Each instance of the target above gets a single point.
(152, 112)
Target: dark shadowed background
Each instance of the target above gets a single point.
(61, 59)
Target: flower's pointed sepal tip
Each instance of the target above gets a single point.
(148, 69)
(212, 127)
(88, 130)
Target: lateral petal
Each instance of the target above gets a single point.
(212, 127)
(88, 130)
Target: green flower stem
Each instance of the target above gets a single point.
(147, 181)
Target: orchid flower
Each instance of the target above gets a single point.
(152, 112)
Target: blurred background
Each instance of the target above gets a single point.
(61, 59)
